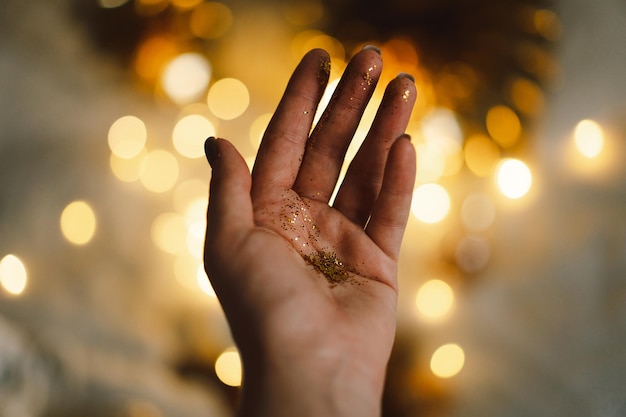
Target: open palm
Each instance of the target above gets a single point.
(306, 285)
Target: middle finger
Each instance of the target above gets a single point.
(327, 145)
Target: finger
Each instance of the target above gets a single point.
(362, 182)
(229, 215)
(329, 140)
(391, 209)
(282, 147)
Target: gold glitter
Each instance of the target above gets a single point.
(406, 95)
(330, 266)
(324, 72)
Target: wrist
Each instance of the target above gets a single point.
(321, 383)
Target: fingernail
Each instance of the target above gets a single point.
(210, 150)
(406, 75)
(405, 136)
(372, 48)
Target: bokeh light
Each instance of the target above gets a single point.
(481, 155)
(78, 222)
(186, 77)
(152, 56)
(434, 299)
(159, 171)
(431, 203)
(527, 97)
(204, 283)
(514, 178)
(431, 162)
(169, 232)
(257, 129)
(228, 98)
(189, 191)
(504, 126)
(589, 138)
(127, 136)
(447, 361)
(127, 170)
(477, 212)
(210, 20)
(472, 254)
(13, 274)
(189, 135)
(228, 367)
(111, 4)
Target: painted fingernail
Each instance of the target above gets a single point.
(405, 136)
(372, 48)
(210, 150)
(406, 75)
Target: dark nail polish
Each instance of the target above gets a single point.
(372, 48)
(406, 75)
(405, 136)
(210, 150)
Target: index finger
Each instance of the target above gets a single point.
(282, 147)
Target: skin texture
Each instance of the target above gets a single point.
(311, 346)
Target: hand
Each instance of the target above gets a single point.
(309, 289)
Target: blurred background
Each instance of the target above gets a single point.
(513, 270)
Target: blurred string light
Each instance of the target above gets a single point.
(189, 134)
(447, 361)
(78, 222)
(228, 367)
(434, 299)
(514, 178)
(228, 98)
(589, 138)
(186, 77)
(159, 171)
(431, 203)
(13, 275)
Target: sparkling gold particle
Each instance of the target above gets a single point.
(324, 72)
(406, 95)
(330, 266)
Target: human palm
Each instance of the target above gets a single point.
(303, 283)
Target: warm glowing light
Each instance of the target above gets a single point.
(188, 192)
(503, 125)
(527, 96)
(190, 133)
(159, 171)
(127, 170)
(13, 275)
(257, 129)
(589, 138)
(303, 13)
(169, 232)
(431, 203)
(210, 20)
(547, 24)
(514, 178)
(195, 216)
(447, 361)
(186, 77)
(472, 254)
(477, 212)
(434, 299)
(78, 222)
(204, 283)
(186, 271)
(431, 162)
(228, 98)
(228, 367)
(441, 123)
(153, 55)
(330, 89)
(481, 155)
(111, 4)
(185, 4)
(127, 137)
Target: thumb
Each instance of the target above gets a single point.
(230, 213)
